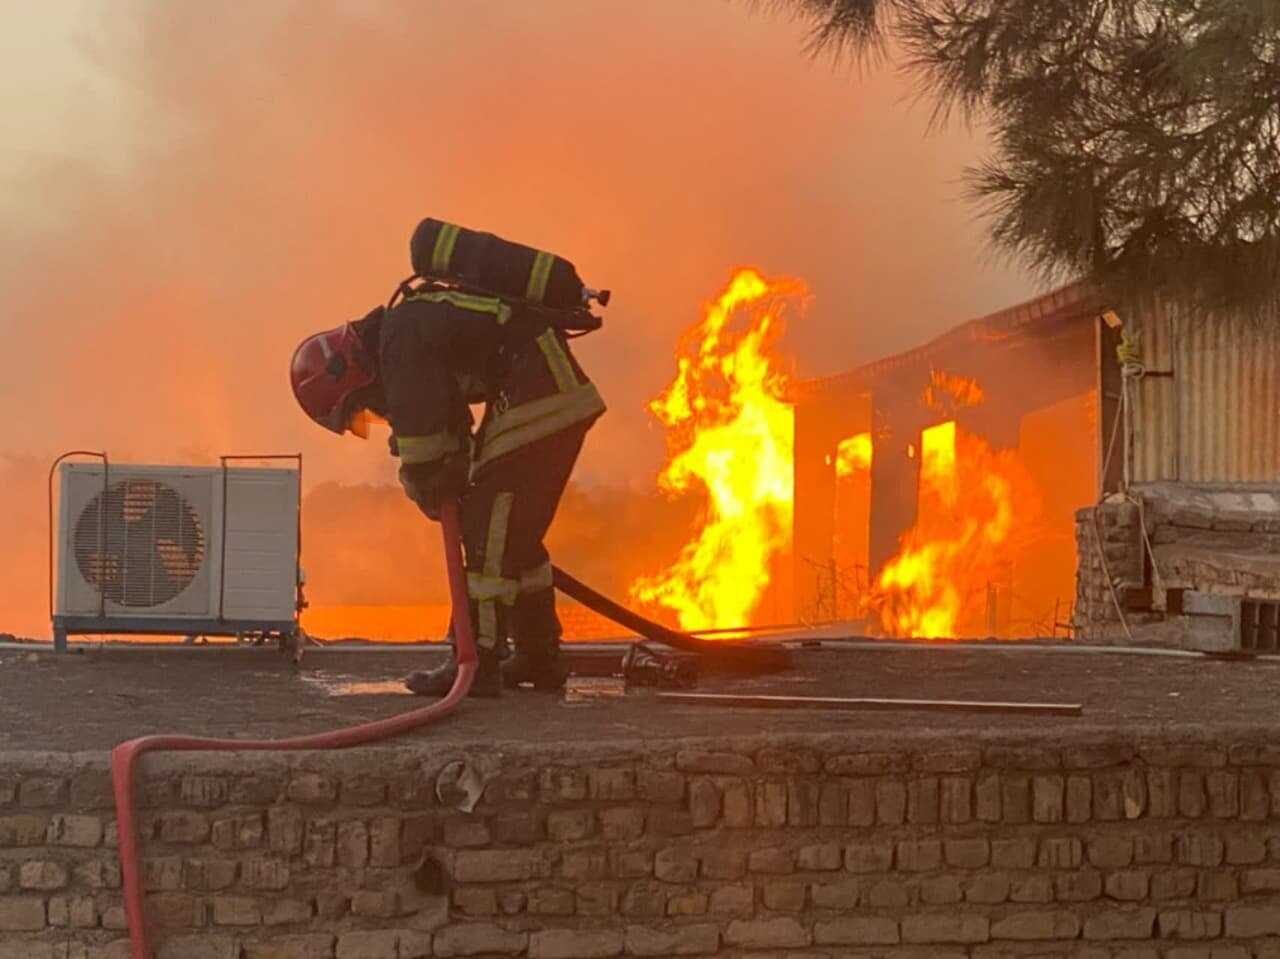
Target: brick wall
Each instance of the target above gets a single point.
(1101, 847)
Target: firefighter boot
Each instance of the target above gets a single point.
(437, 682)
(539, 664)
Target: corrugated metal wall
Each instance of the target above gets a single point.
(1217, 419)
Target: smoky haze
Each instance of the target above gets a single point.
(223, 179)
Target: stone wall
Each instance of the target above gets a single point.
(1209, 548)
(1105, 847)
(1109, 531)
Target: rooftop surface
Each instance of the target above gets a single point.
(92, 699)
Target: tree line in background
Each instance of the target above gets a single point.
(1136, 142)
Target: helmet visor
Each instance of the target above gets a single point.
(362, 421)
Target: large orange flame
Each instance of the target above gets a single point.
(730, 439)
(977, 509)
(853, 454)
(730, 436)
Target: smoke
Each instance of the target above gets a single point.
(221, 180)
(23, 549)
(605, 534)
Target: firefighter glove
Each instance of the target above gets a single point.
(430, 485)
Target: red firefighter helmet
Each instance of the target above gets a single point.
(327, 370)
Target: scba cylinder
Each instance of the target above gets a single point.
(481, 261)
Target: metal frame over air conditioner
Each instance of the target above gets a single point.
(176, 550)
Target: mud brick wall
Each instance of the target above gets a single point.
(1097, 846)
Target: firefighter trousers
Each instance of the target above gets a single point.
(505, 516)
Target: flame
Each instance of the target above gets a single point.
(977, 509)
(938, 462)
(853, 455)
(730, 438)
(948, 392)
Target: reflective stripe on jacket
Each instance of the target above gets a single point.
(443, 349)
(544, 392)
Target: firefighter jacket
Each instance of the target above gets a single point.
(442, 350)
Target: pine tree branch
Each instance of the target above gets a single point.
(1137, 142)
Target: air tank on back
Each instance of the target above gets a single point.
(485, 262)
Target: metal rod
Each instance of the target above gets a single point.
(871, 704)
(222, 546)
(155, 553)
(297, 564)
(746, 630)
(1175, 389)
(102, 538)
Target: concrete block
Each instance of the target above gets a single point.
(1249, 922)
(1032, 926)
(702, 939)
(856, 931)
(839, 895)
(660, 786)
(613, 785)
(21, 914)
(645, 899)
(469, 939)
(1188, 924)
(887, 894)
(1135, 923)
(820, 857)
(988, 888)
(783, 895)
(781, 932)
(941, 891)
(944, 928)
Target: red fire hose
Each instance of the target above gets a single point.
(124, 758)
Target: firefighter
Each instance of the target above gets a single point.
(419, 366)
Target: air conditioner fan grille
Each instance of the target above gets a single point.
(141, 547)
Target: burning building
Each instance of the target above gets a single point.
(1053, 467)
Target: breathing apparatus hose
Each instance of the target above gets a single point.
(124, 758)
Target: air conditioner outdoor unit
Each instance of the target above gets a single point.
(185, 550)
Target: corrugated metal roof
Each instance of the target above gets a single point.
(1217, 419)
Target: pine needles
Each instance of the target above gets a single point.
(1137, 142)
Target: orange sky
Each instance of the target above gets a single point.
(220, 180)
